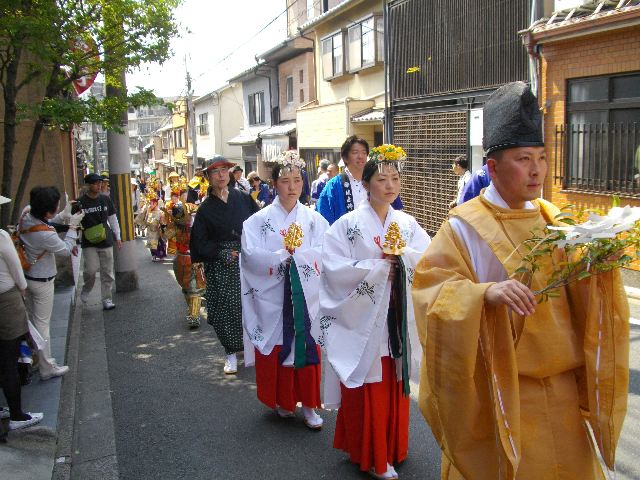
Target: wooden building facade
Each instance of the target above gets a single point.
(444, 58)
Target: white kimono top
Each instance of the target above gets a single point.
(354, 298)
(486, 265)
(262, 272)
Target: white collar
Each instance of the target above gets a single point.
(351, 177)
(492, 195)
(387, 220)
(278, 203)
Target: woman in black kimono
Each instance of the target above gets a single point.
(215, 241)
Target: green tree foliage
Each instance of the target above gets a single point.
(38, 40)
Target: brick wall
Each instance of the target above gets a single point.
(599, 54)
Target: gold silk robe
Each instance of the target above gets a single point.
(507, 397)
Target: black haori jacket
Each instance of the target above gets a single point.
(217, 221)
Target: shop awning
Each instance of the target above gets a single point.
(243, 139)
(368, 116)
(279, 130)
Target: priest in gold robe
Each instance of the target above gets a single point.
(512, 388)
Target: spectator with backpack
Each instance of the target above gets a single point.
(100, 231)
(13, 328)
(41, 244)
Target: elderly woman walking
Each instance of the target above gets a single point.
(215, 241)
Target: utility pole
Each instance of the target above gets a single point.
(120, 176)
(94, 143)
(142, 154)
(191, 112)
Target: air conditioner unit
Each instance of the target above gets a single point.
(560, 5)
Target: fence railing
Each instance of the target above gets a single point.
(599, 157)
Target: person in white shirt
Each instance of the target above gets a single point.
(13, 328)
(460, 167)
(42, 244)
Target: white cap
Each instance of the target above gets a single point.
(4, 200)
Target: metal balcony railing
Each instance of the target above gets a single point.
(599, 157)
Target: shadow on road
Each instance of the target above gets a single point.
(178, 416)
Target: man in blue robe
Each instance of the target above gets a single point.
(345, 192)
(479, 179)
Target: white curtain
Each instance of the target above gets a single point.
(274, 146)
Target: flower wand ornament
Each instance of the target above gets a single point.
(589, 248)
(393, 242)
(293, 237)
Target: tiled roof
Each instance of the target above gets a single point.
(590, 11)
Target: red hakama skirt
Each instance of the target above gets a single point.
(285, 386)
(373, 422)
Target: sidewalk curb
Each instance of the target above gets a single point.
(66, 415)
(86, 434)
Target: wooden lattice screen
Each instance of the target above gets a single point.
(432, 141)
(458, 45)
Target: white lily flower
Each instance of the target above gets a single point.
(618, 220)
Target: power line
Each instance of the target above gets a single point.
(250, 38)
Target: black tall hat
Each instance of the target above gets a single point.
(511, 118)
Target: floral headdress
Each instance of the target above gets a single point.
(151, 195)
(152, 184)
(387, 153)
(179, 187)
(288, 160)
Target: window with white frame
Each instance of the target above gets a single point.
(311, 9)
(203, 124)
(256, 108)
(332, 56)
(289, 89)
(365, 43)
(166, 140)
(178, 139)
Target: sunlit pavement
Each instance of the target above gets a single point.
(176, 414)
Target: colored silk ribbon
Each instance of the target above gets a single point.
(296, 324)
(397, 323)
